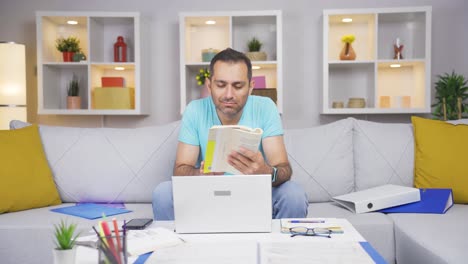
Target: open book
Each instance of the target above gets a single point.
(222, 140)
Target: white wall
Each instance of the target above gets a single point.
(302, 43)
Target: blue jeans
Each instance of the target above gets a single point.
(289, 201)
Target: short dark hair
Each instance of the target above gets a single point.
(230, 55)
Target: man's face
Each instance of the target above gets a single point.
(229, 88)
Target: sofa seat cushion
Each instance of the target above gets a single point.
(383, 154)
(109, 164)
(376, 228)
(432, 238)
(33, 230)
(322, 159)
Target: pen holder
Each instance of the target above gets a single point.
(113, 249)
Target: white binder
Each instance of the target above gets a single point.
(377, 198)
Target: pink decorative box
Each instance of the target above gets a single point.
(260, 82)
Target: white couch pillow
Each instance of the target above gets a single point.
(109, 164)
(322, 159)
(383, 154)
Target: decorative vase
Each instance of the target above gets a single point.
(347, 53)
(73, 102)
(256, 56)
(66, 256)
(68, 56)
(208, 54)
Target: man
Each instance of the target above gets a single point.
(230, 103)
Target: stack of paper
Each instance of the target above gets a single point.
(140, 241)
(150, 239)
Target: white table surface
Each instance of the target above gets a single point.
(247, 247)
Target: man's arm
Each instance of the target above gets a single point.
(186, 159)
(276, 154)
(249, 162)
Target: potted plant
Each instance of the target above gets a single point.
(254, 45)
(347, 53)
(451, 92)
(68, 46)
(65, 238)
(73, 98)
(201, 76)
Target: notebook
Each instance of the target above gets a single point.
(222, 204)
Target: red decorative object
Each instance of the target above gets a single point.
(112, 82)
(120, 50)
(398, 52)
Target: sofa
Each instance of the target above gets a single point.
(125, 165)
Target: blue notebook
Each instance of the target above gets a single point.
(433, 201)
(90, 210)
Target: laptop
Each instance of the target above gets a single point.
(222, 204)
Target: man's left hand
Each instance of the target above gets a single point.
(248, 162)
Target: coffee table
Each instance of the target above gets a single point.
(255, 248)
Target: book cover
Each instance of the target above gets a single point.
(376, 198)
(288, 223)
(260, 82)
(433, 201)
(222, 140)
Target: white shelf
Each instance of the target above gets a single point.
(371, 76)
(232, 29)
(97, 32)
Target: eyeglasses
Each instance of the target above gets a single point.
(304, 231)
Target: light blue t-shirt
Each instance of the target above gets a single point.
(200, 115)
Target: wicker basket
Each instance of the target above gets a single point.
(257, 56)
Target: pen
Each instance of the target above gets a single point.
(306, 221)
(117, 238)
(108, 237)
(104, 248)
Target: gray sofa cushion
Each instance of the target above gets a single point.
(322, 159)
(432, 238)
(383, 154)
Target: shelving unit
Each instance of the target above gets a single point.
(231, 29)
(373, 75)
(97, 32)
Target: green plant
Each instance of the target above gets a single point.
(254, 45)
(71, 44)
(65, 235)
(73, 87)
(202, 75)
(451, 92)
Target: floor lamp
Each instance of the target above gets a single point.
(12, 83)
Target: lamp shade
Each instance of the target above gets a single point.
(12, 82)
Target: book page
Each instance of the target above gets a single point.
(222, 140)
